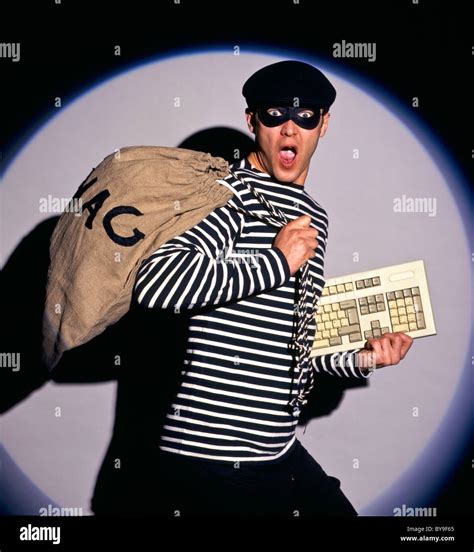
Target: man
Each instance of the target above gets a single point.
(228, 445)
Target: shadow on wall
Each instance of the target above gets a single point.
(150, 345)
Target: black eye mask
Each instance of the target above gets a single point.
(298, 115)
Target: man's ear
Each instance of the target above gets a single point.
(324, 124)
(251, 122)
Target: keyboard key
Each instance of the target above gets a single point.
(368, 282)
(360, 284)
(353, 316)
(333, 332)
(335, 341)
(346, 330)
(355, 337)
(399, 294)
(376, 281)
(417, 304)
(363, 301)
(332, 290)
(344, 322)
(350, 304)
(377, 332)
(326, 334)
(364, 310)
(413, 326)
(407, 292)
(320, 343)
(371, 300)
(420, 320)
(379, 298)
(401, 328)
(340, 288)
(372, 308)
(367, 334)
(349, 286)
(375, 323)
(380, 307)
(390, 296)
(385, 330)
(415, 291)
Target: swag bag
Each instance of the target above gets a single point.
(135, 200)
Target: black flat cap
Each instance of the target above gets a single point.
(280, 83)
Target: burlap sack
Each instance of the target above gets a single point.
(135, 200)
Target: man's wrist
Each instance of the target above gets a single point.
(366, 362)
(284, 261)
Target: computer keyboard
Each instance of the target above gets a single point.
(355, 307)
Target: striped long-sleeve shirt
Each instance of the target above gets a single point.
(236, 381)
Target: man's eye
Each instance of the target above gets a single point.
(274, 112)
(306, 114)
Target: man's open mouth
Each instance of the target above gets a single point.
(287, 155)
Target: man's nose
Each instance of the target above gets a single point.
(289, 128)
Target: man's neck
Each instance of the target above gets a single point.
(255, 162)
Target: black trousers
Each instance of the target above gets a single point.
(297, 486)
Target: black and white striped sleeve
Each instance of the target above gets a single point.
(199, 268)
(340, 364)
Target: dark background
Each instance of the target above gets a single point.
(422, 51)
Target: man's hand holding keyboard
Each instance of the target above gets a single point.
(386, 350)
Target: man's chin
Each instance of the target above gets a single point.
(286, 176)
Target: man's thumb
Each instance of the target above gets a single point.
(304, 220)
